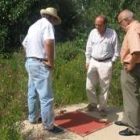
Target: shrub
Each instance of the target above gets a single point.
(115, 93)
(12, 96)
(69, 82)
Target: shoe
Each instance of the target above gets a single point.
(103, 113)
(120, 123)
(126, 132)
(91, 108)
(37, 121)
(56, 130)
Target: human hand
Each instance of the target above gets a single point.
(128, 67)
(87, 66)
(49, 64)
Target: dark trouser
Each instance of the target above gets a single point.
(130, 83)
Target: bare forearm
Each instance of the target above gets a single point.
(50, 53)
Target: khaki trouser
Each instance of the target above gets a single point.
(98, 72)
(130, 83)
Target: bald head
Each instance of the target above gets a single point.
(101, 18)
(125, 14)
(100, 24)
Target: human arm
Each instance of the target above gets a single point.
(49, 50)
(116, 48)
(49, 39)
(88, 51)
(134, 46)
(25, 42)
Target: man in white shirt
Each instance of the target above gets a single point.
(101, 53)
(39, 47)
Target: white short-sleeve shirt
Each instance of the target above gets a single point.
(34, 41)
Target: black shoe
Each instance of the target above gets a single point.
(90, 108)
(39, 120)
(127, 132)
(56, 130)
(103, 113)
(120, 123)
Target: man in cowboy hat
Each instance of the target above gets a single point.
(39, 47)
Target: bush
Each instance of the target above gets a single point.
(115, 93)
(69, 82)
(12, 96)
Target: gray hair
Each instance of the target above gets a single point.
(128, 14)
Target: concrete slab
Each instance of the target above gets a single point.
(35, 132)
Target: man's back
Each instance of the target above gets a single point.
(37, 34)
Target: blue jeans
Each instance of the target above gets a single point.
(39, 89)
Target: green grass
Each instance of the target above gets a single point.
(69, 82)
(12, 96)
(69, 78)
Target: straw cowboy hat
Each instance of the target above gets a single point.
(53, 12)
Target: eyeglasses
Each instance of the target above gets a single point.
(121, 21)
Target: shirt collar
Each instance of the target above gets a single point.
(104, 32)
